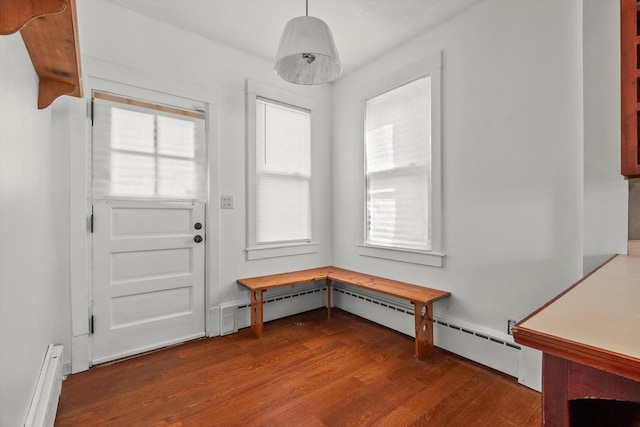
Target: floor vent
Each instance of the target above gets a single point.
(44, 403)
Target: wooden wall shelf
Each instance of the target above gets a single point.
(50, 33)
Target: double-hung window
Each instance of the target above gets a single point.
(402, 209)
(283, 173)
(279, 164)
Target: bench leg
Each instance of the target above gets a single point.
(328, 281)
(256, 312)
(424, 329)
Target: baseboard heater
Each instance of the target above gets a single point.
(44, 404)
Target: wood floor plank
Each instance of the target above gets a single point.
(495, 397)
(307, 370)
(439, 383)
(447, 409)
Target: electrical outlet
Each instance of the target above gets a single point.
(226, 202)
(510, 325)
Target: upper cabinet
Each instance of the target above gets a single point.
(50, 32)
(630, 97)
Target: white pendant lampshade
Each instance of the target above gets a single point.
(307, 54)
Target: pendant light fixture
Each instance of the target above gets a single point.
(306, 54)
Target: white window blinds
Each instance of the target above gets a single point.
(283, 173)
(147, 150)
(398, 167)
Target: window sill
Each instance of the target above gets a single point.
(432, 259)
(274, 251)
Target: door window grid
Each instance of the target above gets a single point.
(147, 150)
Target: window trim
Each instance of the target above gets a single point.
(428, 66)
(254, 250)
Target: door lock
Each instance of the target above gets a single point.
(197, 226)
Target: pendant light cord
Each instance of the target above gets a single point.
(307, 11)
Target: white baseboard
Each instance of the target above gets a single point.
(213, 322)
(44, 404)
(80, 360)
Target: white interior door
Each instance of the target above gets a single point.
(148, 275)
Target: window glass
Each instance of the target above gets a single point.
(398, 167)
(147, 150)
(283, 173)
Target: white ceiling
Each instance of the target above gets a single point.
(362, 29)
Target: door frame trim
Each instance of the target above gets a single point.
(106, 75)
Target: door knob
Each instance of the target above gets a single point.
(197, 226)
(197, 238)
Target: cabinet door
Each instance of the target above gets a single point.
(630, 37)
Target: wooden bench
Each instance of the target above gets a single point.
(422, 298)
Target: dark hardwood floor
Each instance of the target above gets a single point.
(307, 371)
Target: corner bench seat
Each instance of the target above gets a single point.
(421, 297)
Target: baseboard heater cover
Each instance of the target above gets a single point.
(44, 404)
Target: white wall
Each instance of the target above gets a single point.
(512, 159)
(113, 38)
(515, 186)
(33, 233)
(605, 190)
